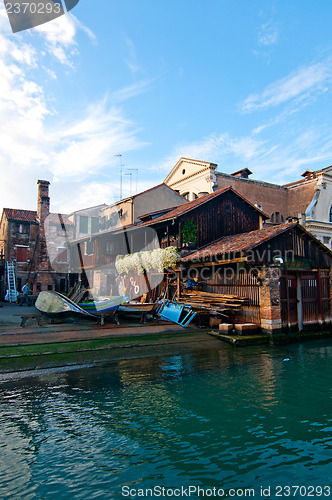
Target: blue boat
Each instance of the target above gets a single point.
(177, 313)
(102, 306)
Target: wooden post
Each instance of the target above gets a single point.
(147, 282)
(178, 286)
(319, 297)
(287, 296)
(299, 303)
(180, 235)
(167, 287)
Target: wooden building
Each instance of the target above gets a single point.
(283, 271)
(198, 222)
(190, 225)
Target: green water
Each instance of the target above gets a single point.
(230, 419)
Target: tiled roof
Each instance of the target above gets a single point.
(14, 214)
(238, 242)
(191, 205)
(156, 212)
(20, 215)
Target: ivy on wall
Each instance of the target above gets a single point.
(189, 232)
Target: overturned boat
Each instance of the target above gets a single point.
(180, 314)
(55, 303)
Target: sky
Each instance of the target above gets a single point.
(240, 84)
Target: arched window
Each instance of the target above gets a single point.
(330, 216)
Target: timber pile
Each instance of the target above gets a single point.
(214, 303)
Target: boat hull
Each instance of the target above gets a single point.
(109, 306)
(137, 308)
(55, 303)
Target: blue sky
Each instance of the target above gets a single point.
(235, 83)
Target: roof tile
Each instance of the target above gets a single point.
(21, 215)
(238, 242)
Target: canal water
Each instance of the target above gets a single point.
(252, 421)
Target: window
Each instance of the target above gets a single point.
(186, 195)
(94, 224)
(108, 247)
(22, 228)
(22, 254)
(89, 247)
(113, 219)
(84, 224)
(330, 216)
(326, 240)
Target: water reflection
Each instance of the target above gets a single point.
(227, 417)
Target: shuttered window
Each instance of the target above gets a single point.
(22, 254)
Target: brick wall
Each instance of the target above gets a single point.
(272, 198)
(300, 196)
(269, 299)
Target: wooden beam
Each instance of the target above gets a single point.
(219, 263)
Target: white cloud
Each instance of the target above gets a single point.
(133, 90)
(86, 146)
(268, 34)
(213, 149)
(34, 143)
(70, 196)
(300, 84)
(132, 61)
(60, 35)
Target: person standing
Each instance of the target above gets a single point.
(26, 292)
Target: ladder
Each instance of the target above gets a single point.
(11, 281)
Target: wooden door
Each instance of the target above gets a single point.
(288, 301)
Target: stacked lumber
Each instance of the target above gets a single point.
(214, 303)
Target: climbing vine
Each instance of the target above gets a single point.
(189, 232)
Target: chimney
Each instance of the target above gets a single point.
(243, 173)
(43, 204)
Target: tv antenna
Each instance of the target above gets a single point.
(131, 181)
(121, 171)
(136, 170)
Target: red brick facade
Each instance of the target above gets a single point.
(23, 241)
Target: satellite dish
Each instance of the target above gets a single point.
(278, 260)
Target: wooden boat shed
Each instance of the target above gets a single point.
(283, 271)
